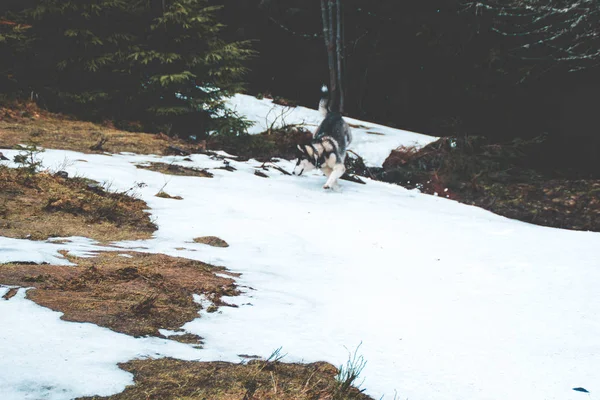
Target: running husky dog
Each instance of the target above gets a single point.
(327, 150)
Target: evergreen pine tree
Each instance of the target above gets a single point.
(158, 61)
(75, 62)
(13, 40)
(185, 68)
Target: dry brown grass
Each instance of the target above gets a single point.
(136, 295)
(508, 179)
(258, 380)
(164, 195)
(39, 206)
(174, 169)
(401, 156)
(20, 123)
(211, 241)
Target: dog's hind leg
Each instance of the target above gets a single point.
(327, 171)
(336, 173)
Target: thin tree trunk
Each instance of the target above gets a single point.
(335, 93)
(332, 32)
(340, 57)
(325, 22)
(329, 33)
(326, 35)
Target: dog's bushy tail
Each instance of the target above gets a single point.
(324, 103)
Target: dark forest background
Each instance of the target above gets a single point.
(429, 66)
(434, 67)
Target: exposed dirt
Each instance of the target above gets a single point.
(24, 122)
(174, 169)
(136, 294)
(41, 205)
(211, 241)
(505, 179)
(164, 195)
(257, 380)
(559, 203)
(10, 294)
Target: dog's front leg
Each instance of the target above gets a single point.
(336, 173)
(327, 171)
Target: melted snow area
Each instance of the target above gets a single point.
(449, 301)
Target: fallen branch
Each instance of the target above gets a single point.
(353, 178)
(227, 167)
(362, 160)
(278, 168)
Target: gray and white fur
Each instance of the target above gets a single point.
(327, 150)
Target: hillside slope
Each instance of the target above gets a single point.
(443, 300)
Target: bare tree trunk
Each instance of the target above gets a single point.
(340, 57)
(335, 104)
(332, 32)
(324, 19)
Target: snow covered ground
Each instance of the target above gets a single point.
(43, 357)
(449, 301)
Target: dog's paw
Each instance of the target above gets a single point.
(333, 188)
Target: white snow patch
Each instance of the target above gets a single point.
(168, 332)
(202, 300)
(44, 357)
(17, 250)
